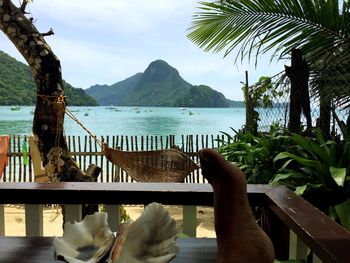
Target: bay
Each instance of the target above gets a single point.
(132, 121)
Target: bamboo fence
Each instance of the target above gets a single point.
(85, 150)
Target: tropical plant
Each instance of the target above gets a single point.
(314, 168)
(319, 28)
(318, 170)
(255, 154)
(261, 94)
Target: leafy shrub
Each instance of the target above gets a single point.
(318, 170)
(254, 155)
(315, 169)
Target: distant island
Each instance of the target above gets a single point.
(159, 85)
(17, 86)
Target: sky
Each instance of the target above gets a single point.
(106, 41)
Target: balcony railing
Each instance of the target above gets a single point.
(295, 226)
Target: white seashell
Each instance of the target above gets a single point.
(87, 241)
(151, 238)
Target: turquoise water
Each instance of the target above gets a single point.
(132, 120)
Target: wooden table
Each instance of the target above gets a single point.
(41, 250)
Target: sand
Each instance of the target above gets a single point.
(15, 221)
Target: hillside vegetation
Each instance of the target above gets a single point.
(17, 86)
(159, 85)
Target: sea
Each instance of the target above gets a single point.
(132, 121)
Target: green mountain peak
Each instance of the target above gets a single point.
(159, 85)
(158, 71)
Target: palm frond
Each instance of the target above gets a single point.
(246, 26)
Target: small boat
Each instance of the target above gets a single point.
(110, 107)
(15, 108)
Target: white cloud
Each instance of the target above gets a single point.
(110, 15)
(105, 41)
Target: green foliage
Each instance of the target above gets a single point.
(182, 235)
(318, 170)
(159, 85)
(77, 97)
(204, 96)
(248, 26)
(255, 154)
(17, 86)
(124, 217)
(260, 95)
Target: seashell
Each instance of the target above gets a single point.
(87, 241)
(151, 238)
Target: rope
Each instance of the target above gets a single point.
(70, 114)
(61, 100)
(60, 103)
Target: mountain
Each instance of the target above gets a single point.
(159, 85)
(17, 86)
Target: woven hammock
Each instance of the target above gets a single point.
(169, 165)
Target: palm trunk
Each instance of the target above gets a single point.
(325, 114)
(298, 74)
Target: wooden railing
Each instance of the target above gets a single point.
(295, 226)
(85, 150)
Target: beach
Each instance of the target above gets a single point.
(15, 219)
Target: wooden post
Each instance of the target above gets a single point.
(250, 121)
(190, 220)
(113, 219)
(72, 213)
(298, 73)
(39, 171)
(278, 233)
(2, 220)
(325, 114)
(297, 248)
(34, 220)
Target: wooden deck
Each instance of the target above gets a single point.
(293, 224)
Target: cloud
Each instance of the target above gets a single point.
(105, 41)
(110, 15)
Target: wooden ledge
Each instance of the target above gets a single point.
(115, 193)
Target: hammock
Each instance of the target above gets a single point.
(169, 165)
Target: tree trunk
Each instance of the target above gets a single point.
(51, 103)
(298, 73)
(251, 124)
(325, 114)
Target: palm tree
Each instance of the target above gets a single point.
(319, 28)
